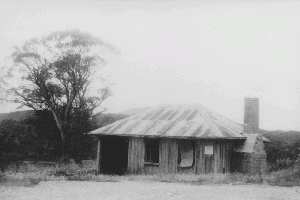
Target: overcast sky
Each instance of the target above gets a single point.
(182, 52)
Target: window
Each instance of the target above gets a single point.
(152, 150)
(186, 153)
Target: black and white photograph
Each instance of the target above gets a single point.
(149, 99)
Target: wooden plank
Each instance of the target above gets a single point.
(216, 157)
(229, 156)
(166, 160)
(202, 158)
(136, 155)
(163, 156)
(227, 169)
(129, 164)
(228, 153)
(170, 156)
(151, 169)
(141, 155)
(223, 149)
(200, 168)
(98, 155)
(195, 156)
(173, 156)
(209, 159)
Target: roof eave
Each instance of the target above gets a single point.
(175, 137)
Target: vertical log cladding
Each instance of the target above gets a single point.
(217, 161)
(172, 155)
(98, 155)
(217, 157)
(209, 158)
(228, 156)
(136, 155)
(251, 115)
(168, 155)
(163, 156)
(200, 161)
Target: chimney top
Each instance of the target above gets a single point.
(251, 115)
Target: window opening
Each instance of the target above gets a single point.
(186, 153)
(152, 150)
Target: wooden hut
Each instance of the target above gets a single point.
(188, 139)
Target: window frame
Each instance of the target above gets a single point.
(152, 147)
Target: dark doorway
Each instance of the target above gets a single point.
(114, 155)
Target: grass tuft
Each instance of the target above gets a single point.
(34, 174)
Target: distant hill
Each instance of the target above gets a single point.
(102, 119)
(18, 115)
(21, 115)
(285, 137)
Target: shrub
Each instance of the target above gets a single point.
(254, 178)
(287, 177)
(3, 178)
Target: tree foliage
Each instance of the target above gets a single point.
(282, 156)
(3, 84)
(14, 137)
(284, 149)
(58, 72)
(34, 136)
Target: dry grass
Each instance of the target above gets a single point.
(33, 174)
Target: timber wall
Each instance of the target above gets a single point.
(218, 162)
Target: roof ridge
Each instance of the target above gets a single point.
(210, 121)
(224, 117)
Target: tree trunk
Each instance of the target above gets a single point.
(62, 135)
(63, 145)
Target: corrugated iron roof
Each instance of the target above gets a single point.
(189, 121)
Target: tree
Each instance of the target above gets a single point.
(45, 145)
(58, 72)
(282, 156)
(13, 138)
(2, 85)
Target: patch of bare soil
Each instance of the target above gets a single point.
(145, 190)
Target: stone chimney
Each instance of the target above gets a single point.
(251, 115)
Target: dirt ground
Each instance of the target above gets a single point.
(66, 190)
